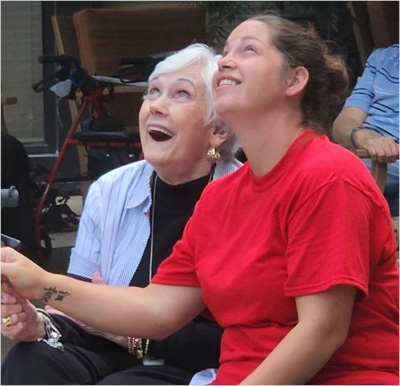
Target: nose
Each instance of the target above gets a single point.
(157, 107)
(226, 63)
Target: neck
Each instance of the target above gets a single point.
(266, 137)
(176, 177)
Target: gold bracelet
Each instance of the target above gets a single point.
(135, 347)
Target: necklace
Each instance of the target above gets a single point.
(138, 345)
(153, 211)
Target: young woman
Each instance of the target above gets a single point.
(294, 254)
(132, 218)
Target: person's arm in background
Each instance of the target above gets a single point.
(380, 148)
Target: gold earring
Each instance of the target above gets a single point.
(213, 155)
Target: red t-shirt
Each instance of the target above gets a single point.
(317, 219)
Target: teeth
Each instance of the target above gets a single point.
(159, 129)
(229, 82)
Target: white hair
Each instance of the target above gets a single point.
(207, 60)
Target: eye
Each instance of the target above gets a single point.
(249, 48)
(182, 94)
(152, 93)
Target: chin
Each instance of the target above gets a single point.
(224, 109)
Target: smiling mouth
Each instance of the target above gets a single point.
(158, 134)
(227, 82)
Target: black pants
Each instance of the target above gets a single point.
(86, 360)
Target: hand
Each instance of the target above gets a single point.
(28, 324)
(380, 149)
(24, 275)
(97, 279)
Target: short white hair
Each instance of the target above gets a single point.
(206, 58)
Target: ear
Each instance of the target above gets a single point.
(218, 136)
(297, 81)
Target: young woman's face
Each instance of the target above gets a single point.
(172, 121)
(251, 72)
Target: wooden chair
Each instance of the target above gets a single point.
(379, 170)
(105, 36)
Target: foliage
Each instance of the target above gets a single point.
(220, 15)
(330, 18)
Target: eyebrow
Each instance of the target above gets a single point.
(242, 40)
(178, 80)
(187, 81)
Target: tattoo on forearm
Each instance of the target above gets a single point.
(50, 291)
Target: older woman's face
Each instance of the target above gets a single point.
(250, 76)
(172, 121)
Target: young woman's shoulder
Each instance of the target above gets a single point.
(325, 162)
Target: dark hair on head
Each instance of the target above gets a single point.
(328, 78)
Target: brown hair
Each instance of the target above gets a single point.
(328, 78)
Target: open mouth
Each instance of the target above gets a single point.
(227, 82)
(159, 134)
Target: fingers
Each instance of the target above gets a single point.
(10, 309)
(97, 279)
(14, 325)
(6, 298)
(14, 331)
(382, 149)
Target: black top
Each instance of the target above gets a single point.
(174, 205)
(195, 346)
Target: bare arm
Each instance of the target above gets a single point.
(324, 320)
(346, 121)
(379, 148)
(152, 312)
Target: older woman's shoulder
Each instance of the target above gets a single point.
(128, 172)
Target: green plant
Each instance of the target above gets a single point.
(220, 16)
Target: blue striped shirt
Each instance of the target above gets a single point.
(115, 227)
(377, 93)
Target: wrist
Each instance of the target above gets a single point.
(357, 135)
(43, 287)
(40, 327)
(52, 334)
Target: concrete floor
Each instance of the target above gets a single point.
(59, 259)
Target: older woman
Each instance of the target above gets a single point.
(294, 254)
(132, 218)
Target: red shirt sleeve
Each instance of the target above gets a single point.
(329, 241)
(179, 267)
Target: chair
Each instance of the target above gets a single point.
(105, 36)
(379, 170)
(379, 173)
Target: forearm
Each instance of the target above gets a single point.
(126, 311)
(119, 310)
(296, 359)
(347, 120)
